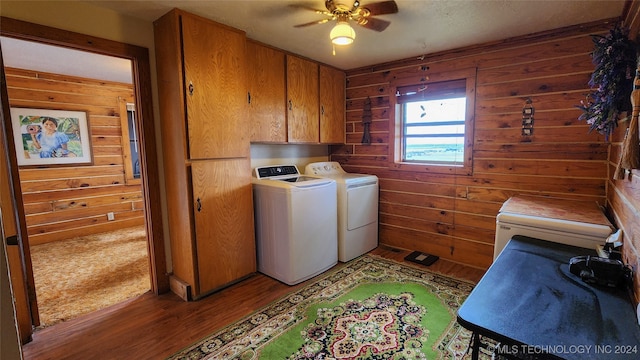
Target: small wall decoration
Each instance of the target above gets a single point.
(366, 121)
(614, 57)
(51, 137)
(527, 118)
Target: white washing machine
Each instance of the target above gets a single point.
(296, 223)
(357, 208)
(577, 223)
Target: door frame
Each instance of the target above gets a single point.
(141, 73)
(23, 309)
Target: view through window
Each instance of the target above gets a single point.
(434, 130)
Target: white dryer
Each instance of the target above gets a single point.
(296, 223)
(357, 208)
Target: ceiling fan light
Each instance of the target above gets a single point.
(342, 34)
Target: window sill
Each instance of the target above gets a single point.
(432, 168)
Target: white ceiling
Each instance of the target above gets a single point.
(54, 59)
(420, 27)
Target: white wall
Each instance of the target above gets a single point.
(287, 154)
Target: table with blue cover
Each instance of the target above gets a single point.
(533, 307)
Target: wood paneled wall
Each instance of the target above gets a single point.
(623, 196)
(62, 202)
(453, 216)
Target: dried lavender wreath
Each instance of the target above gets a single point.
(615, 58)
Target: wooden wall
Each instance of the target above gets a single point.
(62, 202)
(453, 216)
(623, 196)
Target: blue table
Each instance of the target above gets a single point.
(534, 308)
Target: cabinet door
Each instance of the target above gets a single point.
(332, 105)
(302, 101)
(267, 93)
(223, 210)
(215, 88)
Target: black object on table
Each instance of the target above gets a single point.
(534, 308)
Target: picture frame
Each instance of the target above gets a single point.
(51, 137)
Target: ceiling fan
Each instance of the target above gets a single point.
(342, 33)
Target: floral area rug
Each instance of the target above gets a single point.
(370, 308)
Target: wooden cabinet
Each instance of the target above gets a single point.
(315, 98)
(332, 105)
(302, 100)
(203, 116)
(267, 93)
(214, 76)
(222, 192)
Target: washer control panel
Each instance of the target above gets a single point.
(271, 171)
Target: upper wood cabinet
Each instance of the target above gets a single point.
(266, 93)
(303, 110)
(215, 82)
(332, 105)
(203, 116)
(309, 107)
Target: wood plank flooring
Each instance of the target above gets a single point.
(154, 327)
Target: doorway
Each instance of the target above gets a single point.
(79, 265)
(159, 281)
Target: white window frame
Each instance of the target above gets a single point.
(127, 115)
(406, 91)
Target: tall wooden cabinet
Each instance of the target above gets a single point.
(202, 90)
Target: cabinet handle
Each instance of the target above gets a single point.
(290, 105)
(191, 88)
(198, 205)
(249, 97)
(12, 240)
(322, 110)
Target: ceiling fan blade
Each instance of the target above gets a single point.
(305, 7)
(313, 23)
(381, 8)
(373, 23)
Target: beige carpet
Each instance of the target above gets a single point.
(85, 274)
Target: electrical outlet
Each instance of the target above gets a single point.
(111, 216)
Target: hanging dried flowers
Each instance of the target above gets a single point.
(615, 60)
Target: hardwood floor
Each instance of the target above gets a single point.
(154, 327)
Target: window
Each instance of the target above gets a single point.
(130, 143)
(434, 125)
(133, 141)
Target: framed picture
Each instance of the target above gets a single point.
(51, 137)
